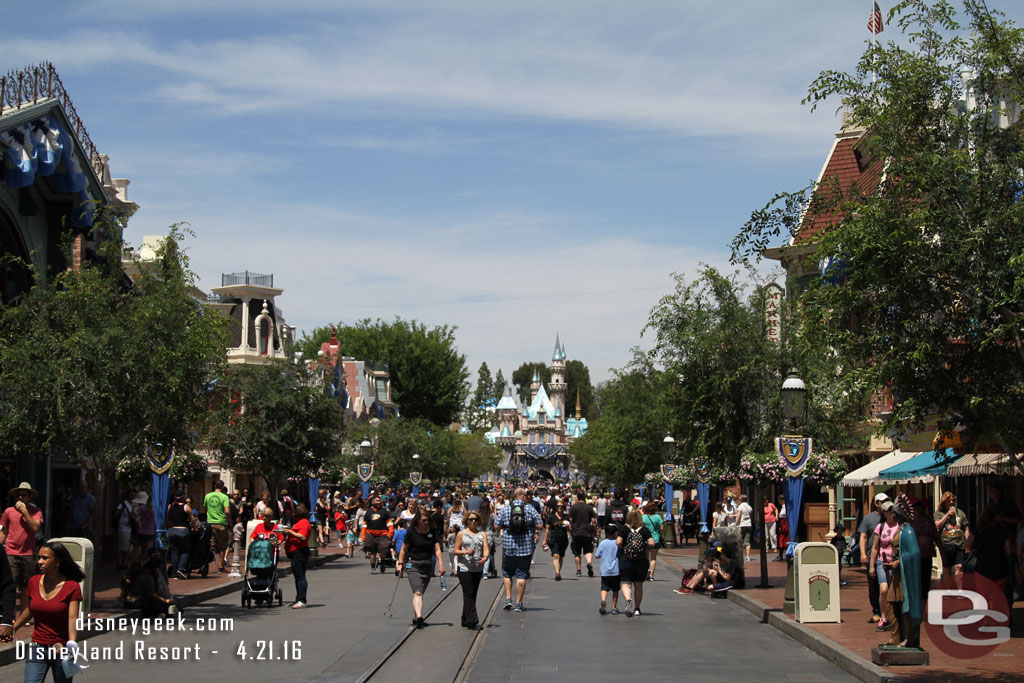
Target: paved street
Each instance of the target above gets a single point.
(344, 633)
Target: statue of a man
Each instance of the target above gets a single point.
(903, 601)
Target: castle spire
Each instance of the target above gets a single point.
(578, 403)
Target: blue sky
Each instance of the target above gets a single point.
(518, 169)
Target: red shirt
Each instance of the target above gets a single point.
(291, 544)
(340, 521)
(20, 539)
(262, 528)
(51, 616)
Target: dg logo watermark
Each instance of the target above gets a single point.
(967, 617)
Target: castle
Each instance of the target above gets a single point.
(535, 438)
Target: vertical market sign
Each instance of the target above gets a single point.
(773, 294)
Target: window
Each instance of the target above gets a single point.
(264, 337)
(382, 389)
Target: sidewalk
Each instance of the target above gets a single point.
(855, 635)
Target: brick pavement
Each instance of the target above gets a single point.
(1005, 663)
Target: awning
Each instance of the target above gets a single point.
(981, 463)
(868, 474)
(921, 468)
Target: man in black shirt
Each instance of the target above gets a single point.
(583, 519)
(617, 510)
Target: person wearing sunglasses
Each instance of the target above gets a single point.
(471, 553)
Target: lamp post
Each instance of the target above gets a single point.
(366, 451)
(416, 471)
(668, 452)
(794, 409)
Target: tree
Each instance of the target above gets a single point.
(429, 378)
(484, 387)
(276, 420)
(523, 378)
(625, 441)
(499, 385)
(577, 377)
(929, 299)
(97, 368)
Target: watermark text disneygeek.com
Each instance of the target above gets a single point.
(145, 626)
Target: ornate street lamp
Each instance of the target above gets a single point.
(794, 410)
(794, 400)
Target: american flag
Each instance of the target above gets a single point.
(875, 20)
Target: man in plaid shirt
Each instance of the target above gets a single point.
(517, 549)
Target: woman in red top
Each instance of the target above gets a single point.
(54, 598)
(296, 546)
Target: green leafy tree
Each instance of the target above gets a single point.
(276, 420)
(929, 299)
(429, 378)
(499, 385)
(99, 369)
(443, 452)
(625, 441)
(484, 386)
(577, 376)
(523, 378)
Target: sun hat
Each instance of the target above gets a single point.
(141, 498)
(24, 486)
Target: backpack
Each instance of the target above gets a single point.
(635, 547)
(517, 520)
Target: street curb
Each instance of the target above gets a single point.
(845, 659)
(8, 655)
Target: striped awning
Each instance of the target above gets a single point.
(868, 474)
(980, 463)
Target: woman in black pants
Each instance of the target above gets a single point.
(422, 547)
(471, 553)
(296, 546)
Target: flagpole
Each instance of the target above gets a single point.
(873, 35)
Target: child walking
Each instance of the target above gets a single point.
(608, 553)
(341, 526)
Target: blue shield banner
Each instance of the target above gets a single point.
(795, 452)
(703, 493)
(365, 471)
(415, 478)
(314, 491)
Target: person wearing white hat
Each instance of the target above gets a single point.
(19, 523)
(867, 537)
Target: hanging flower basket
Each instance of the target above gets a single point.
(187, 467)
(133, 469)
(825, 469)
(653, 478)
(761, 469)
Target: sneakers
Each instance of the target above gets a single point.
(519, 607)
(602, 609)
(874, 619)
(590, 571)
(629, 608)
(579, 573)
(650, 578)
(508, 604)
(373, 569)
(685, 590)
(883, 625)
(558, 577)
(298, 604)
(614, 611)
(636, 612)
(182, 575)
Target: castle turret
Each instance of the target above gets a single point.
(556, 388)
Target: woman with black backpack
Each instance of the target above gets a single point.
(634, 563)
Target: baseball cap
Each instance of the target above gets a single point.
(880, 497)
(887, 505)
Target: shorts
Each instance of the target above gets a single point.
(611, 583)
(952, 555)
(635, 571)
(582, 545)
(419, 575)
(124, 540)
(600, 521)
(376, 544)
(513, 566)
(745, 533)
(558, 546)
(880, 572)
(23, 567)
(351, 537)
(220, 537)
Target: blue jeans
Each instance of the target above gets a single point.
(37, 663)
(300, 558)
(181, 545)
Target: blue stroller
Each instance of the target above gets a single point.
(261, 580)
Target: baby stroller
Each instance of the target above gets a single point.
(261, 573)
(202, 554)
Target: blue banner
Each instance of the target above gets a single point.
(161, 484)
(415, 491)
(314, 491)
(703, 493)
(366, 489)
(669, 495)
(793, 491)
